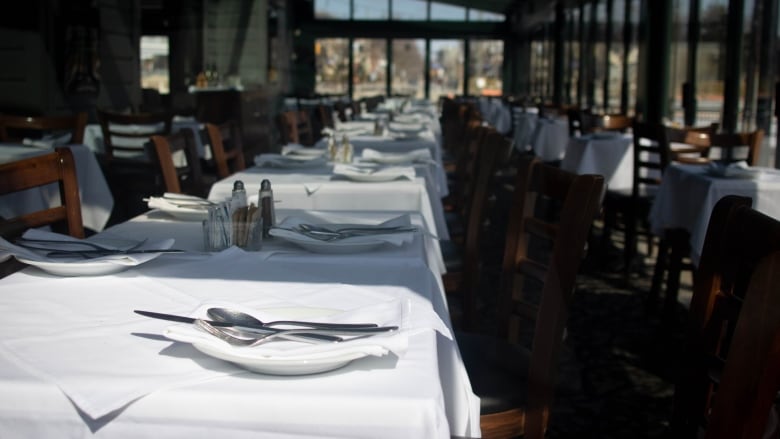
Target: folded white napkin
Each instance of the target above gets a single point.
(289, 161)
(180, 205)
(48, 142)
(131, 259)
(286, 229)
(363, 173)
(296, 150)
(422, 155)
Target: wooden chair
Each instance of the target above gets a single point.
(728, 378)
(515, 374)
(651, 156)
(689, 145)
(55, 167)
(325, 113)
(462, 259)
(591, 123)
(180, 177)
(17, 128)
(125, 135)
(228, 160)
(730, 146)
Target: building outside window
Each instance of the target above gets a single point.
(154, 63)
(332, 61)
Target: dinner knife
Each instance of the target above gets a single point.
(264, 328)
(99, 253)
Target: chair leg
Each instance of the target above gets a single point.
(629, 251)
(661, 262)
(678, 244)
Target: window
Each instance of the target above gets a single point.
(154, 63)
(408, 69)
(479, 15)
(446, 75)
(441, 11)
(331, 9)
(370, 10)
(332, 61)
(486, 60)
(410, 9)
(369, 70)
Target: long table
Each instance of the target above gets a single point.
(75, 361)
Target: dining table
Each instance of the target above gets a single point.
(76, 361)
(96, 199)
(605, 153)
(550, 138)
(688, 193)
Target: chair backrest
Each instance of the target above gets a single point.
(491, 147)
(17, 128)
(177, 156)
(651, 157)
(305, 127)
(591, 123)
(325, 113)
(295, 127)
(737, 239)
(689, 144)
(125, 135)
(226, 147)
(549, 222)
(55, 167)
(738, 146)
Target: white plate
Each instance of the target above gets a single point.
(96, 267)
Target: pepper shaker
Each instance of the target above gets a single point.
(266, 200)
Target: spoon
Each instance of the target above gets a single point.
(243, 319)
(241, 338)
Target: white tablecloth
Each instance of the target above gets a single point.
(105, 353)
(610, 157)
(96, 199)
(524, 127)
(687, 195)
(550, 138)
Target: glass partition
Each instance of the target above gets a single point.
(408, 69)
(332, 63)
(446, 74)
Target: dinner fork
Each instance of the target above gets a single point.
(241, 338)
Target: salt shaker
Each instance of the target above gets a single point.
(238, 198)
(266, 200)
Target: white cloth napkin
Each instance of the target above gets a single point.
(40, 255)
(422, 155)
(178, 203)
(286, 230)
(49, 141)
(289, 161)
(296, 150)
(362, 173)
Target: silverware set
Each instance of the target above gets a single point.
(85, 249)
(324, 233)
(244, 330)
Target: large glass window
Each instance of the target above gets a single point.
(600, 56)
(369, 71)
(441, 11)
(154, 63)
(486, 59)
(446, 75)
(408, 69)
(572, 57)
(615, 57)
(332, 61)
(710, 60)
(331, 9)
(678, 61)
(479, 15)
(751, 46)
(370, 10)
(410, 9)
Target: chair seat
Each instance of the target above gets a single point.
(498, 371)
